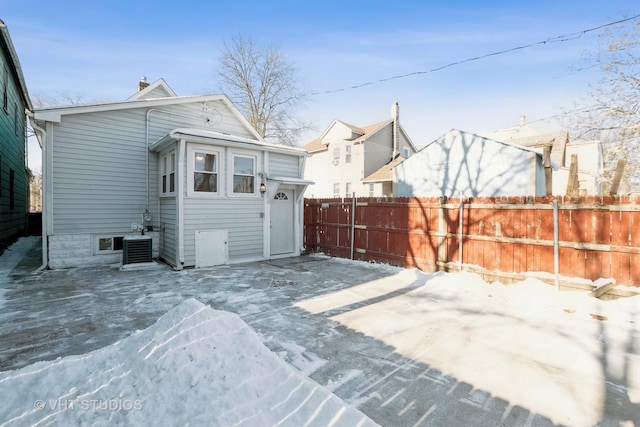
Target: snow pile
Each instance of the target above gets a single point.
(195, 366)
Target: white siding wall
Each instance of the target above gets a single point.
(241, 217)
(168, 236)
(283, 165)
(462, 162)
(99, 175)
(378, 149)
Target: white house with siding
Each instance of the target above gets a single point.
(467, 164)
(190, 172)
(347, 159)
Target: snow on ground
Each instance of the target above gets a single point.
(194, 366)
(10, 259)
(404, 347)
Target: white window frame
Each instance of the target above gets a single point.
(347, 154)
(167, 168)
(231, 173)
(406, 152)
(192, 149)
(111, 250)
(347, 190)
(336, 189)
(371, 189)
(336, 156)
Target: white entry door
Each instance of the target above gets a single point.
(282, 236)
(212, 247)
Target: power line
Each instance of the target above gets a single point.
(556, 39)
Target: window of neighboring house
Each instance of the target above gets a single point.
(168, 168)
(205, 172)
(336, 189)
(347, 154)
(244, 174)
(5, 89)
(347, 190)
(371, 190)
(12, 201)
(336, 155)
(406, 152)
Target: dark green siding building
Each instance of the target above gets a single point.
(14, 174)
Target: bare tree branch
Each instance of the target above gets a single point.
(264, 86)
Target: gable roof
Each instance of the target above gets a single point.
(16, 68)
(457, 132)
(55, 114)
(159, 87)
(364, 134)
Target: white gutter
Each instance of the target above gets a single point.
(45, 197)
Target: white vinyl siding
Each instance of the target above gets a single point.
(100, 177)
(168, 236)
(240, 216)
(284, 165)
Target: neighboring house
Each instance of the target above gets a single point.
(14, 175)
(188, 171)
(461, 163)
(589, 155)
(347, 159)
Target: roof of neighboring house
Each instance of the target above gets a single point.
(6, 40)
(384, 173)
(557, 141)
(364, 133)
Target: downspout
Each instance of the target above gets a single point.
(180, 203)
(45, 198)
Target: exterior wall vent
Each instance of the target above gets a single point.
(136, 249)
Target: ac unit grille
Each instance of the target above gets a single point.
(136, 250)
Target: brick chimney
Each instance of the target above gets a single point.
(142, 83)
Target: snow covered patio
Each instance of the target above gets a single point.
(403, 347)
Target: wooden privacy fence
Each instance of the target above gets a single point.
(598, 236)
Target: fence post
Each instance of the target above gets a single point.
(460, 238)
(353, 221)
(442, 235)
(556, 246)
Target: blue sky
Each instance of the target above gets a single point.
(101, 49)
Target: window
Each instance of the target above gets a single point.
(244, 174)
(336, 155)
(347, 190)
(336, 189)
(205, 172)
(109, 244)
(168, 167)
(281, 196)
(405, 152)
(347, 154)
(370, 190)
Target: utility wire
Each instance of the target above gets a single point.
(556, 39)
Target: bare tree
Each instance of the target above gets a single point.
(65, 98)
(615, 117)
(263, 84)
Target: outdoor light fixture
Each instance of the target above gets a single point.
(263, 188)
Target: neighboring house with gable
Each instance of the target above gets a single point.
(347, 159)
(187, 171)
(14, 174)
(589, 155)
(462, 163)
